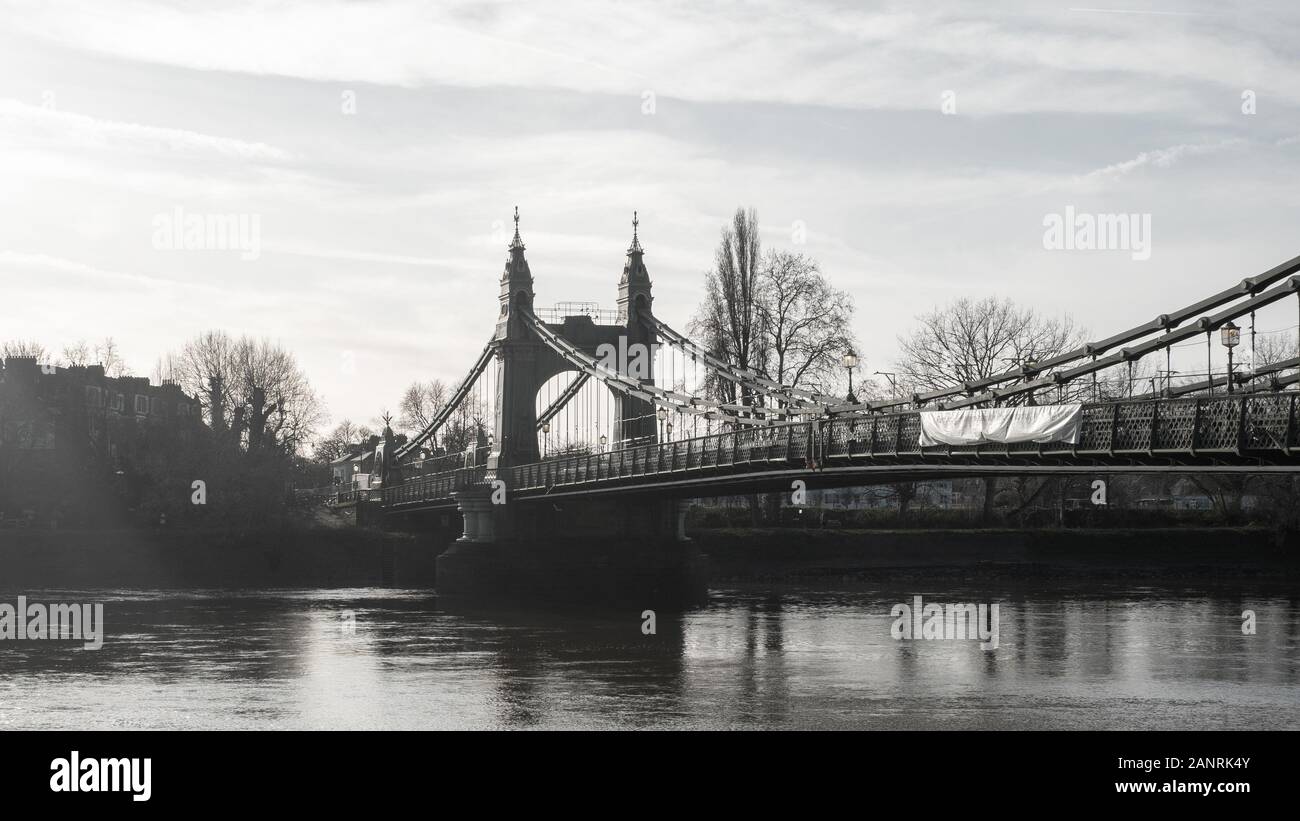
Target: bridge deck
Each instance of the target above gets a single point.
(1248, 429)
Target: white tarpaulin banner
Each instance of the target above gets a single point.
(1029, 423)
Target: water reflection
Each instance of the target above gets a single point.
(797, 658)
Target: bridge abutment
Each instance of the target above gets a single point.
(475, 505)
(606, 552)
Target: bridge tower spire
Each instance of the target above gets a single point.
(516, 289)
(634, 298)
(636, 416)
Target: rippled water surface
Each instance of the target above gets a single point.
(798, 658)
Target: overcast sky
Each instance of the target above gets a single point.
(383, 145)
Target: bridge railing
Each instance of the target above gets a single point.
(432, 465)
(557, 315)
(745, 447)
(1244, 424)
(439, 486)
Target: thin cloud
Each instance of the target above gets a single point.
(51, 128)
(828, 56)
(373, 256)
(26, 262)
(1148, 11)
(1162, 158)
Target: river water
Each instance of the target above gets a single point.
(750, 658)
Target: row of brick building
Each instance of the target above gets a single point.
(63, 430)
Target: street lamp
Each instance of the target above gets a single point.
(893, 384)
(604, 440)
(850, 361)
(546, 438)
(1030, 365)
(662, 413)
(1230, 336)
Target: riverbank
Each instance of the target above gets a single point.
(366, 557)
(315, 557)
(1163, 554)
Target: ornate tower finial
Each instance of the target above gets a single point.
(517, 242)
(516, 270)
(636, 243)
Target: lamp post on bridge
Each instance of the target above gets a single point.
(662, 414)
(1029, 362)
(546, 438)
(1230, 336)
(850, 361)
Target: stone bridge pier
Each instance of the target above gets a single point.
(610, 551)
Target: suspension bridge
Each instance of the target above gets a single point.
(559, 432)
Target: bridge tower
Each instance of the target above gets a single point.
(518, 354)
(525, 363)
(636, 416)
(515, 547)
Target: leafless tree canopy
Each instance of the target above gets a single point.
(774, 313)
(970, 340)
(804, 321)
(1273, 348)
(728, 319)
(422, 401)
(338, 441)
(224, 372)
(77, 354)
(420, 404)
(24, 347)
(106, 353)
(467, 425)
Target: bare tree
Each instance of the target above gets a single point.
(228, 375)
(339, 441)
(465, 427)
(1273, 348)
(970, 340)
(106, 353)
(804, 321)
(297, 410)
(77, 354)
(1270, 349)
(205, 368)
(420, 403)
(728, 320)
(166, 368)
(23, 347)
